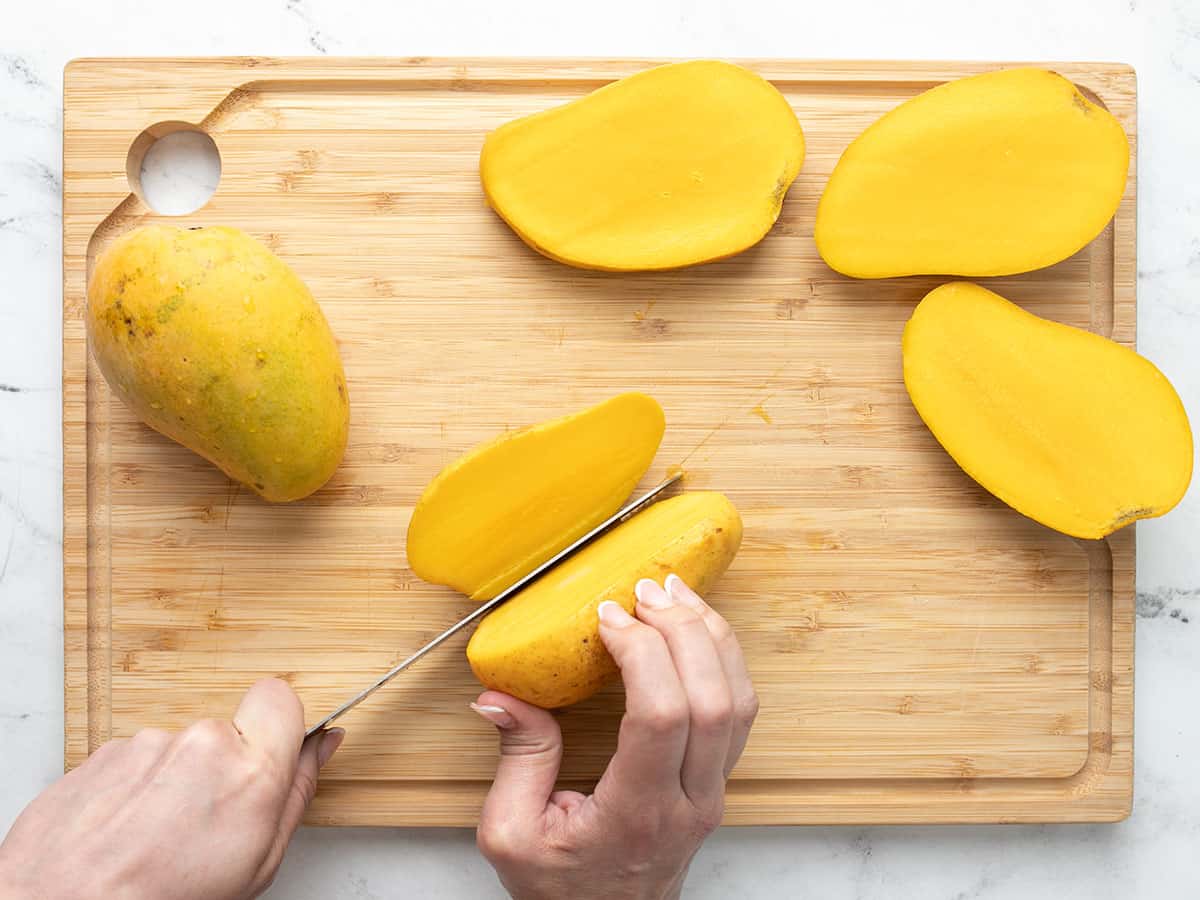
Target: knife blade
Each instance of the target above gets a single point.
(607, 525)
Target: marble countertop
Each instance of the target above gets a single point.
(1150, 855)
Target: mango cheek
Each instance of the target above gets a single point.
(500, 510)
(716, 149)
(995, 174)
(1067, 427)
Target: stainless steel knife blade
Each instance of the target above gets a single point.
(607, 525)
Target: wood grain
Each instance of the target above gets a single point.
(923, 653)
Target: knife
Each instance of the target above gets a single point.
(604, 527)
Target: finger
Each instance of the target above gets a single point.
(530, 754)
(314, 753)
(653, 734)
(271, 718)
(710, 702)
(737, 675)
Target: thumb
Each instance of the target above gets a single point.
(530, 753)
(314, 753)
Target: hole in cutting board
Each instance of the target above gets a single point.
(174, 168)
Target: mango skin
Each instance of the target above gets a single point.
(502, 509)
(1065, 426)
(673, 166)
(543, 646)
(993, 174)
(214, 342)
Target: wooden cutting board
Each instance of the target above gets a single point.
(923, 653)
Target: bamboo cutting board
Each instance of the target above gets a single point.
(922, 652)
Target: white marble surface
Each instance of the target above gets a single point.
(1150, 856)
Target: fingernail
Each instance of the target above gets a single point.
(330, 741)
(681, 593)
(651, 595)
(613, 615)
(497, 715)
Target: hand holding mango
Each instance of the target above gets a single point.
(689, 707)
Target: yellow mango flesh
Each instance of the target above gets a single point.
(1067, 427)
(544, 646)
(679, 164)
(213, 341)
(993, 174)
(507, 506)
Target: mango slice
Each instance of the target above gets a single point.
(544, 646)
(677, 165)
(1067, 427)
(994, 174)
(213, 341)
(507, 506)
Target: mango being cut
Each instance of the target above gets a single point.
(1067, 427)
(212, 340)
(993, 174)
(677, 165)
(507, 506)
(544, 646)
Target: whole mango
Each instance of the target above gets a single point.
(214, 342)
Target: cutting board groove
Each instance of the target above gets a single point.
(922, 652)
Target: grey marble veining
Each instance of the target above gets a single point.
(1150, 856)
(317, 39)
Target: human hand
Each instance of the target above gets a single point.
(688, 711)
(203, 814)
